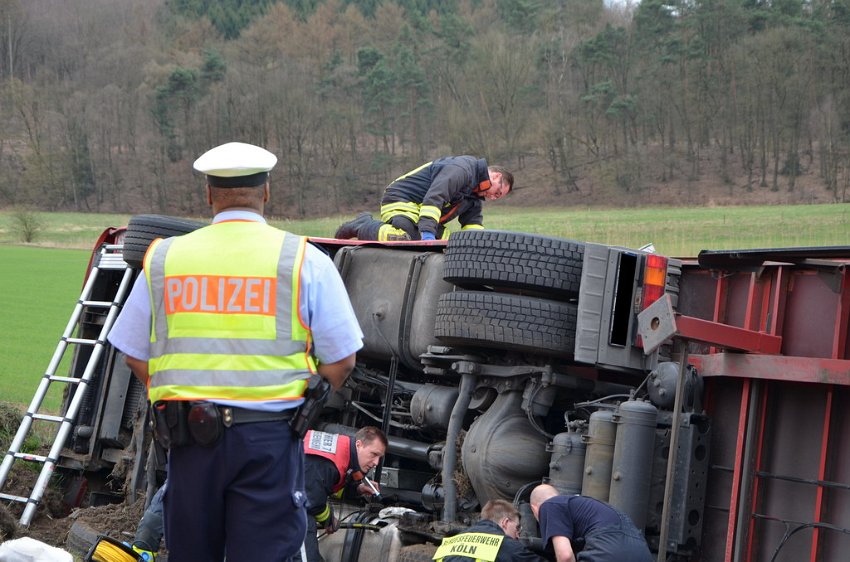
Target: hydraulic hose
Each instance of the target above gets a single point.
(354, 538)
(467, 385)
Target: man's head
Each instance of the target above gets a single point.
(501, 183)
(237, 176)
(504, 514)
(371, 444)
(539, 495)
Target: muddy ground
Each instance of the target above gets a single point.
(53, 521)
(54, 518)
(119, 521)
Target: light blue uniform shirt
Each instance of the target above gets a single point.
(323, 303)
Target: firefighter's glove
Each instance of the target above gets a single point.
(332, 525)
(146, 555)
(327, 520)
(428, 236)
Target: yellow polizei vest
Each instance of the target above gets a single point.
(225, 316)
(483, 547)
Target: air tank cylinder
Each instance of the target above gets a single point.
(601, 433)
(566, 467)
(633, 452)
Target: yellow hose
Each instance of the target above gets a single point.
(109, 550)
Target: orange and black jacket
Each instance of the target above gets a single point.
(444, 189)
(325, 476)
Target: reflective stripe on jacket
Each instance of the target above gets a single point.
(437, 192)
(226, 323)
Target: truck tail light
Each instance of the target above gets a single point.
(654, 280)
(654, 283)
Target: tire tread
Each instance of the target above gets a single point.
(522, 323)
(515, 260)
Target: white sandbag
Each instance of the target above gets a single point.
(27, 549)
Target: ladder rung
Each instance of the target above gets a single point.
(111, 257)
(69, 380)
(102, 304)
(112, 261)
(81, 341)
(30, 457)
(46, 417)
(10, 497)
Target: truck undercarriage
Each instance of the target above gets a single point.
(701, 397)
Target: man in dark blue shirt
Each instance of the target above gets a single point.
(608, 534)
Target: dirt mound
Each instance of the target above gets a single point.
(53, 519)
(118, 521)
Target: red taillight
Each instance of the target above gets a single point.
(654, 280)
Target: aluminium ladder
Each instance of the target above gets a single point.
(109, 257)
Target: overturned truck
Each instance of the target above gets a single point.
(699, 396)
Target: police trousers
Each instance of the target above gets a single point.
(242, 497)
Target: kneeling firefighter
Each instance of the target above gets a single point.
(336, 465)
(417, 205)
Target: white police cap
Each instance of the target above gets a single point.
(240, 163)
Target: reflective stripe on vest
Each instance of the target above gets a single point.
(403, 208)
(227, 328)
(480, 546)
(335, 448)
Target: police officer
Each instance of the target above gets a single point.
(336, 464)
(492, 539)
(224, 328)
(608, 534)
(416, 205)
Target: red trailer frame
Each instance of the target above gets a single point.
(779, 481)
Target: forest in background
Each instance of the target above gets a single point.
(104, 104)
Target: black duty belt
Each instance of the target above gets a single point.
(231, 415)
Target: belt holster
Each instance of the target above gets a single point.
(317, 393)
(205, 423)
(170, 424)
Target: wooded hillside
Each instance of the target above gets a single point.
(106, 103)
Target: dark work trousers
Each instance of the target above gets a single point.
(311, 541)
(242, 497)
(149, 532)
(616, 543)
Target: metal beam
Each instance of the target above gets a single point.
(774, 367)
(659, 322)
(729, 337)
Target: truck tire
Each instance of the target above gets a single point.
(551, 266)
(417, 553)
(506, 321)
(81, 537)
(144, 229)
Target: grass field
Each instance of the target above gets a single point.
(40, 282)
(39, 288)
(674, 231)
(684, 232)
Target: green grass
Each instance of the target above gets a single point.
(674, 231)
(39, 288)
(681, 232)
(39, 285)
(62, 230)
